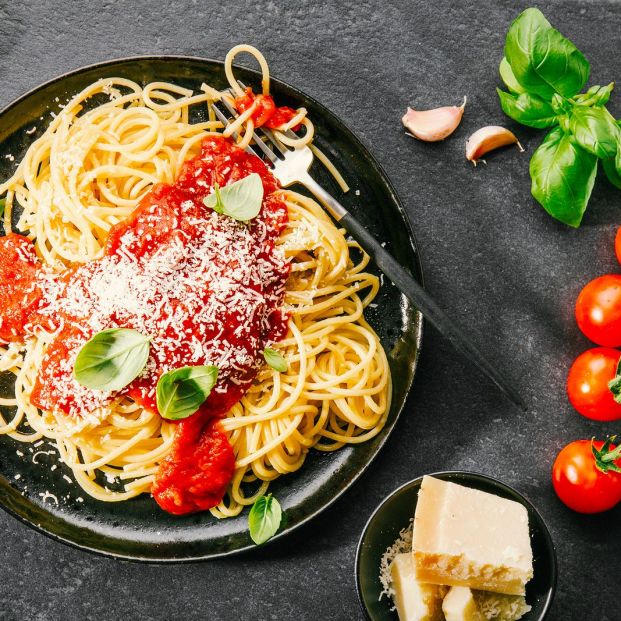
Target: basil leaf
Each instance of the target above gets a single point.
(2, 206)
(527, 109)
(562, 177)
(595, 130)
(542, 59)
(275, 359)
(610, 168)
(181, 392)
(506, 73)
(240, 200)
(595, 96)
(111, 359)
(264, 518)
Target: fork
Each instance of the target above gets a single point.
(291, 166)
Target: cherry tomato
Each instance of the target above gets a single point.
(618, 244)
(580, 484)
(587, 383)
(598, 310)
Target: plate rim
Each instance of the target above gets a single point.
(417, 261)
(478, 475)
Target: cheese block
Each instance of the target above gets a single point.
(414, 601)
(466, 537)
(459, 605)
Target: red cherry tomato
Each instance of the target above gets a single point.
(618, 244)
(580, 484)
(598, 310)
(587, 383)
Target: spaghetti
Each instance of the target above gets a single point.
(99, 159)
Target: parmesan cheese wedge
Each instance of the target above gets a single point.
(466, 537)
(415, 601)
(459, 605)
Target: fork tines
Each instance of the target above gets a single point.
(257, 140)
(263, 138)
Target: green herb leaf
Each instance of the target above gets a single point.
(606, 456)
(595, 130)
(612, 171)
(240, 200)
(542, 60)
(614, 385)
(527, 109)
(111, 359)
(275, 359)
(2, 206)
(264, 519)
(506, 73)
(595, 96)
(562, 177)
(181, 392)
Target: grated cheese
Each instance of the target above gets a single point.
(401, 545)
(163, 295)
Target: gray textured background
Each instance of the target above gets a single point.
(490, 255)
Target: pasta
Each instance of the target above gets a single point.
(98, 159)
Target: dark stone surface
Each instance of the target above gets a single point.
(491, 256)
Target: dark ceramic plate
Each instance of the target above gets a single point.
(138, 529)
(394, 514)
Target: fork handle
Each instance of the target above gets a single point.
(413, 291)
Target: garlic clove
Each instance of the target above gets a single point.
(433, 125)
(487, 139)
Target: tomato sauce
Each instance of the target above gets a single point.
(266, 112)
(19, 296)
(231, 313)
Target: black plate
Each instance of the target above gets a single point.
(394, 514)
(138, 529)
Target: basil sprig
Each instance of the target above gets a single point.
(179, 393)
(240, 200)
(111, 359)
(544, 73)
(275, 359)
(264, 518)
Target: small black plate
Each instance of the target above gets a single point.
(394, 514)
(138, 529)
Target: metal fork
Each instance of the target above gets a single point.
(291, 166)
